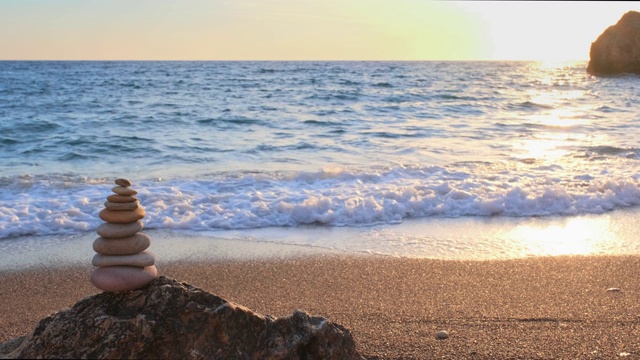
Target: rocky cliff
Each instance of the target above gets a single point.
(617, 49)
(172, 320)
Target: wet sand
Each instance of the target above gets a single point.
(538, 308)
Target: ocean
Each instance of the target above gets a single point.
(447, 160)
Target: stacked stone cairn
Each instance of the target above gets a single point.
(122, 260)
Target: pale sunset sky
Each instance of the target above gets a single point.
(302, 29)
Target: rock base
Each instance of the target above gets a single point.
(172, 320)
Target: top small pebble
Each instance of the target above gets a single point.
(123, 182)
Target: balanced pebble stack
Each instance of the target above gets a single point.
(122, 260)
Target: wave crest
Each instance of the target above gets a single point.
(333, 196)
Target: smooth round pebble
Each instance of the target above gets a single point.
(114, 231)
(122, 217)
(121, 206)
(141, 259)
(441, 335)
(122, 246)
(121, 199)
(123, 182)
(124, 191)
(122, 278)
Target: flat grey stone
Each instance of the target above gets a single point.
(141, 259)
(111, 231)
(122, 246)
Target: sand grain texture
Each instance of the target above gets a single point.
(535, 308)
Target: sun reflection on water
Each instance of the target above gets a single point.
(562, 119)
(577, 236)
(535, 149)
(560, 122)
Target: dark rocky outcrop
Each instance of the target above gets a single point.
(171, 320)
(617, 49)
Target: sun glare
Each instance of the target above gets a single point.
(578, 236)
(551, 31)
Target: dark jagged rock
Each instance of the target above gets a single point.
(171, 320)
(617, 49)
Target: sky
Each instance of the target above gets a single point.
(302, 29)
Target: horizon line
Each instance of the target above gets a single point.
(299, 60)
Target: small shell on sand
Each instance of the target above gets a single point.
(441, 335)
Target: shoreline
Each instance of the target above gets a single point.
(544, 307)
(464, 238)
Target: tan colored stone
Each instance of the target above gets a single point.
(141, 259)
(122, 217)
(121, 199)
(124, 191)
(113, 231)
(122, 246)
(123, 182)
(122, 278)
(121, 206)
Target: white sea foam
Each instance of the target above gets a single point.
(336, 197)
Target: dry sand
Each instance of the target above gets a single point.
(538, 308)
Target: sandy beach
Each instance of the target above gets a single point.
(538, 308)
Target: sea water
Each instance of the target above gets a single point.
(424, 159)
